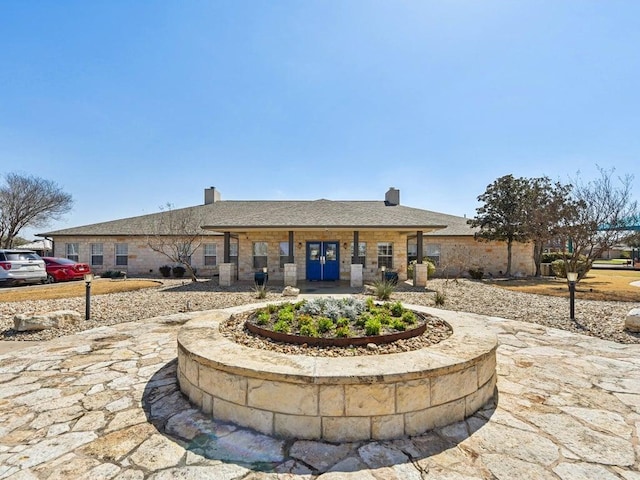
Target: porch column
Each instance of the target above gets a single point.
(291, 247)
(419, 245)
(356, 250)
(227, 246)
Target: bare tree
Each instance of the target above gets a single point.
(546, 207)
(29, 201)
(177, 235)
(603, 217)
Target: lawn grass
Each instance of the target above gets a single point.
(611, 285)
(99, 286)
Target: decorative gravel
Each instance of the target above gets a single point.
(596, 318)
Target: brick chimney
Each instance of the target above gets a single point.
(392, 197)
(211, 195)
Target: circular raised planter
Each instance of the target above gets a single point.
(338, 399)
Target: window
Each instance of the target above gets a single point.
(284, 253)
(259, 254)
(210, 256)
(72, 250)
(233, 252)
(385, 254)
(432, 252)
(97, 256)
(122, 254)
(362, 253)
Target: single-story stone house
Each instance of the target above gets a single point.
(297, 240)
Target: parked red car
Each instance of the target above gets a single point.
(63, 269)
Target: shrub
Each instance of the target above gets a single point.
(106, 274)
(165, 271)
(178, 271)
(551, 257)
(559, 269)
(309, 330)
(342, 322)
(384, 289)
(373, 326)
(396, 309)
(431, 267)
(260, 290)
(440, 298)
(325, 324)
(409, 317)
(113, 274)
(285, 315)
(263, 317)
(476, 273)
(343, 332)
(282, 327)
(272, 308)
(398, 324)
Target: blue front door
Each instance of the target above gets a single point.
(323, 261)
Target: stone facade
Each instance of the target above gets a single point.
(457, 254)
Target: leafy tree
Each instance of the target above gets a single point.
(605, 210)
(29, 201)
(177, 235)
(501, 217)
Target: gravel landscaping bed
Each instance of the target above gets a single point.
(596, 318)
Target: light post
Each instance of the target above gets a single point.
(88, 278)
(572, 277)
(265, 271)
(383, 269)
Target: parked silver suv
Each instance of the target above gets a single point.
(21, 266)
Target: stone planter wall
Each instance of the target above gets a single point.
(336, 398)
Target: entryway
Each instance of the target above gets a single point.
(323, 260)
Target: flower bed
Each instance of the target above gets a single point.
(330, 321)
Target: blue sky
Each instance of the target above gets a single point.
(130, 105)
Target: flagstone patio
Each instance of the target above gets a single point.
(105, 403)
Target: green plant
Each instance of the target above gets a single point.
(409, 317)
(260, 290)
(440, 298)
(178, 271)
(342, 322)
(272, 308)
(325, 324)
(343, 332)
(560, 271)
(263, 317)
(165, 271)
(282, 327)
(431, 267)
(476, 273)
(309, 330)
(396, 309)
(398, 324)
(373, 326)
(285, 315)
(384, 289)
(106, 274)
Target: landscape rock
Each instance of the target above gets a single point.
(632, 322)
(290, 291)
(56, 319)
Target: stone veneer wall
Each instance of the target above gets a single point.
(454, 250)
(337, 399)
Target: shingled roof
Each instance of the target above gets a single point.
(234, 216)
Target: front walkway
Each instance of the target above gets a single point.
(104, 404)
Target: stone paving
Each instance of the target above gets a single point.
(105, 404)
